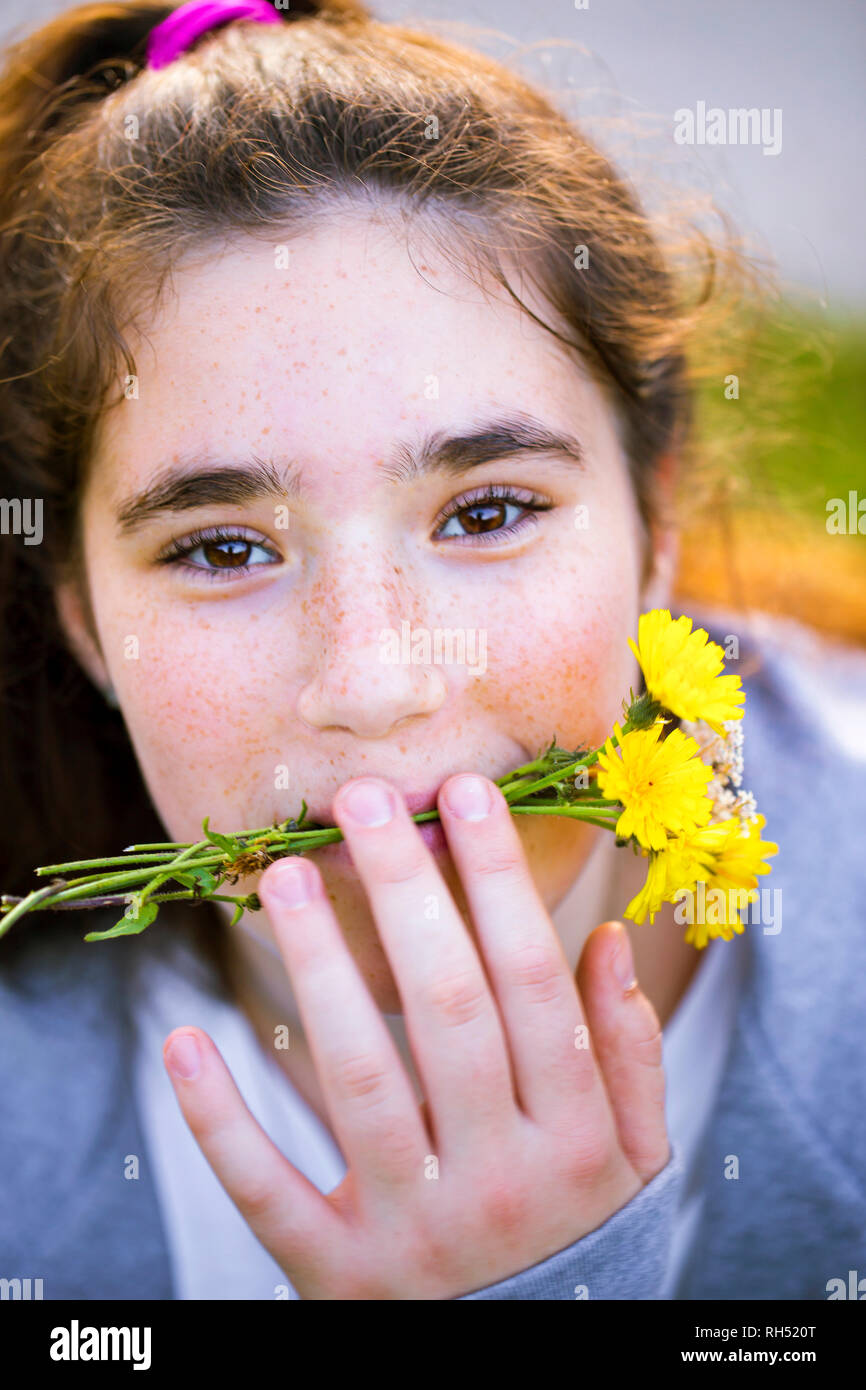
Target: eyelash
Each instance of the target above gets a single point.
(531, 502)
(216, 535)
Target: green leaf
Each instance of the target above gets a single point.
(128, 925)
(239, 912)
(227, 843)
(203, 878)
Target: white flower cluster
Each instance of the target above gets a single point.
(724, 754)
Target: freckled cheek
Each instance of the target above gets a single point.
(197, 717)
(558, 657)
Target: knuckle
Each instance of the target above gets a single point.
(397, 1147)
(537, 970)
(498, 859)
(594, 1155)
(257, 1199)
(458, 998)
(585, 1082)
(215, 1129)
(360, 1280)
(648, 1050)
(360, 1076)
(653, 1087)
(431, 1249)
(504, 1205)
(401, 863)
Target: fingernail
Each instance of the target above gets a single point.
(469, 797)
(291, 883)
(368, 803)
(623, 961)
(183, 1056)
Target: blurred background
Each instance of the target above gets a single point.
(761, 526)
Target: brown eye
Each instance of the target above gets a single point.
(217, 553)
(483, 516)
(491, 513)
(224, 554)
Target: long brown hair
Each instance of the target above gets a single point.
(110, 171)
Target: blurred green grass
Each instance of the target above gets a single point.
(754, 517)
(805, 412)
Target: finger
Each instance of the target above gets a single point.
(285, 1212)
(627, 1039)
(558, 1083)
(369, 1097)
(452, 1022)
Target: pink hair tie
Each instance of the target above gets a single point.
(174, 34)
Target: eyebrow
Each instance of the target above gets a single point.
(197, 479)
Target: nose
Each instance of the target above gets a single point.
(365, 680)
(363, 694)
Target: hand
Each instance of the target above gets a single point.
(538, 1140)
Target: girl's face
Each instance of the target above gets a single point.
(402, 572)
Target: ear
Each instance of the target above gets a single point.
(663, 557)
(77, 624)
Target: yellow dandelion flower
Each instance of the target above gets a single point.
(732, 858)
(654, 892)
(731, 864)
(720, 915)
(718, 856)
(682, 670)
(670, 871)
(661, 785)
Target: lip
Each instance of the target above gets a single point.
(416, 802)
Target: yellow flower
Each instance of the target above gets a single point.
(720, 857)
(662, 785)
(672, 869)
(655, 890)
(736, 862)
(733, 857)
(681, 669)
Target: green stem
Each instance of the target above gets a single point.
(169, 871)
(120, 900)
(562, 773)
(104, 863)
(559, 775)
(155, 863)
(171, 845)
(26, 905)
(520, 771)
(609, 823)
(122, 882)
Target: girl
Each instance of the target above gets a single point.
(315, 329)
